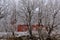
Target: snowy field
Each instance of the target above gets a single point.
(17, 34)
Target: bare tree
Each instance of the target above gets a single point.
(51, 26)
(48, 25)
(2, 9)
(13, 19)
(28, 12)
(40, 17)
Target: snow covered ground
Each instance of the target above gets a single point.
(17, 34)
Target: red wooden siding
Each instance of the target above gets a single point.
(22, 28)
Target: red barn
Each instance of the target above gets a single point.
(22, 28)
